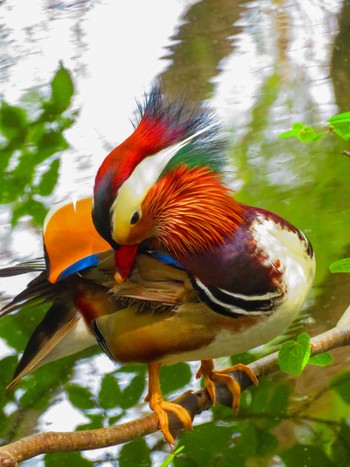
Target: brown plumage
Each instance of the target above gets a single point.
(154, 316)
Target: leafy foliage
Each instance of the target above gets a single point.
(322, 359)
(267, 411)
(294, 355)
(343, 265)
(338, 124)
(31, 140)
(135, 453)
(304, 133)
(59, 459)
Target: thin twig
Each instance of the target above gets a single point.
(195, 403)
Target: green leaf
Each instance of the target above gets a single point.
(110, 394)
(5, 425)
(306, 134)
(304, 455)
(132, 393)
(207, 445)
(288, 134)
(9, 190)
(278, 403)
(15, 329)
(343, 265)
(59, 459)
(320, 135)
(49, 179)
(174, 377)
(340, 449)
(35, 133)
(38, 212)
(342, 130)
(5, 157)
(322, 359)
(244, 357)
(260, 397)
(113, 420)
(340, 118)
(135, 453)
(296, 127)
(96, 421)
(340, 124)
(80, 397)
(40, 386)
(62, 89)
(24, 171)
(31, 207)
(13, 120)
(51, 143)
(7, 368)
(294, 355)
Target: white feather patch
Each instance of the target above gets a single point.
(133, 191)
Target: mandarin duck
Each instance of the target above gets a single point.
(154, 316)
(164, 189)
(169, 267)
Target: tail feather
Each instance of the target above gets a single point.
(38, 290)
(34, 265)
(58, 335)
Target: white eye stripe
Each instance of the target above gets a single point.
(133, 191)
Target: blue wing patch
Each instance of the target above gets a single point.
(83, 263)
(164, 258)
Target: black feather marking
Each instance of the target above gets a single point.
(56, 316)
(100, 339)
(26, 267)
(145, 306)
(263, 304)
(229, 304)
(38, 290)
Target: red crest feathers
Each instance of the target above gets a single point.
(161, 123)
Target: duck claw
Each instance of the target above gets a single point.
(221, 376)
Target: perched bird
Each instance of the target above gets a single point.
(154, 316)
(169, 267)
(250, 267)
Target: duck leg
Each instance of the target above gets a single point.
(211, 377)
(161, 407)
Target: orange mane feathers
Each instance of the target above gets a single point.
(191, 210)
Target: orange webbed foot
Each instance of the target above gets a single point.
(161, 407)
(211, 377)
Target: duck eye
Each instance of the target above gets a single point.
(135, 218)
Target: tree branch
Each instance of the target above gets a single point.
(195, 403)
